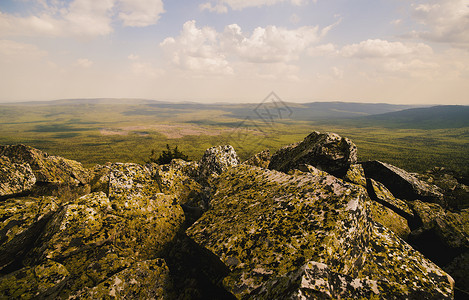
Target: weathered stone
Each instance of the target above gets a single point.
(179, 179)
(326, 151)
(261, 159)
(459, 270)
(355, 174)
(392, 270)
(402, 184)
(266, 225)
(455, 192)
(143, 280)
(99, 181)
(15, 178)
(389, 219)
(452, 229)
(23, 219)
(43, 281)
(51, 169)
(216, 160)
(380, 193)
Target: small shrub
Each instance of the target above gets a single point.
(167, 155)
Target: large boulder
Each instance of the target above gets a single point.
(402, 184)
(267, 227)
(447, 231)
(326, 151)
(47, 168)
(453, 187)
(101, 241)
(217, 160)
(43, 281)
(15, 178)
(22, 221)
(389, 219)
(143, 280)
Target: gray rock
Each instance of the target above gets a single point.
(402, 184)
(217, 160)
(326, 151)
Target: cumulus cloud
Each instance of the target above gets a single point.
(205, 49)
(447, 21)
(85, 18)
(269, 44)
(140, 13)
(197, 49)
(377, 48)
(221, 6)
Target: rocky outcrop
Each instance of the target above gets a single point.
(216, 160)
(22, 221)
(453, 187)
(272, 229)
(15, 178)
(402, 184)
(326, 151)
(318, 226)
(46, 168)
(261, 159)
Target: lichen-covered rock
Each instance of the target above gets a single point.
(266, 225)
(15, 178)
(261, 159)
(43, 281)
(380, 193)
(455, 192)
(452, 229)
(46, 168)
(217, 160)
(402, 184)
(392, 270)
(179, 179)
(326, 151)
(22, 221)
(389, 219)
(143, 280)
(355, 174)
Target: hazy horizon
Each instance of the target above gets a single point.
(396, 52)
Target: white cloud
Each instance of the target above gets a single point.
(197, 49)
(11, 51)
(84, 63)
(381, 48)
(447, 21)
(82, 18)
(270, 44)
(140, 13)
(221, 6)
(206, 50)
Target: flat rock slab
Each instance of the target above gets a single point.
(402, 184)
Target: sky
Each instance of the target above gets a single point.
(393, 51)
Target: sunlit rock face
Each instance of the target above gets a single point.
(326, 151)
(308, 235)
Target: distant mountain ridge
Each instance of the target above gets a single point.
(435, 117)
